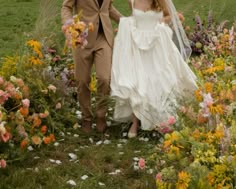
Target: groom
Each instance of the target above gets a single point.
(97, 52)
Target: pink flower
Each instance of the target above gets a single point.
(21, 131)
(5, 137)
(20, 82)
(159, 177)
(3, 163)
(44, 115)
(165, 130)
(141, 163)
(1, 81)
(26, 103)
(171, 120)
(3, 96)
(183, 109)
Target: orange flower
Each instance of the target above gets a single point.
(52, 137)
(24, 111)
(201, 119)
(91, 27)
(44, 129)
(47, 140)
(23, 143)
(37, 121)
(36, 140)
(25, 91)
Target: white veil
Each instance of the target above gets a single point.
(179, 35)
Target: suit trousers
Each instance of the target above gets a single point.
(101, 56)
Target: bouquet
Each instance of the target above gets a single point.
(76, 32)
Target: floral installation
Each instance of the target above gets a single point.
(200, 152)
(209, 35)
(20, 126)
(76, 32)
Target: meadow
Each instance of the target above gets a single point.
(18, 17)
(91, 161)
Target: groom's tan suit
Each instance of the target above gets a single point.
(97, 52)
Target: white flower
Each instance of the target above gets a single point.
(106, 142)
(52, 88)
(13, 79)
(84, 177)
(72, 156)
(30, 148)
(71, 182)
(101, 184)
(2, 128)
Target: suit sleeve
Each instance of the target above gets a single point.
(67, 10)
(114, 13)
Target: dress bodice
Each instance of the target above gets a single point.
(146, 20)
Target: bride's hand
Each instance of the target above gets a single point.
(165, 20)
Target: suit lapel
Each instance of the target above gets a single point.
(96, 2)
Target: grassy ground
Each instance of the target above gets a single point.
(98, 161)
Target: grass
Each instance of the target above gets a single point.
(17, 18)
(96, 161)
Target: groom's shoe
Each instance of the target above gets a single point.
(86, 126)
(101, 125)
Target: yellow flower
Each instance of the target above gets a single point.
(93, 84)
(35, 61)
(218, 109)
(208, 87)
(173, 138)
(198, 95)
(183, 180)
(36, 47)
(174, 149)
(219, 62)
(8, 66)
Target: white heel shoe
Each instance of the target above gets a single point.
(132, 135)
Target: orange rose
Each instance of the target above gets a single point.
(47, 140)
(52, 137)
(23, 143)
(36, 140)
(24, 111)
(37, 121)
(44, 129)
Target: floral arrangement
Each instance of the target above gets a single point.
(19, 125)
(212, 36)
(76, 32)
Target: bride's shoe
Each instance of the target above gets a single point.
(133, 131)
(132, 135)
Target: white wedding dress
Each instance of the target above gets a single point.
(148, 72)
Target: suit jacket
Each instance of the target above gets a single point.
(92, 13)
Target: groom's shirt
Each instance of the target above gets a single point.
(100, 29)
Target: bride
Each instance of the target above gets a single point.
(149, 70)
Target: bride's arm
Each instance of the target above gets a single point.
(130, 4)
(166, 18)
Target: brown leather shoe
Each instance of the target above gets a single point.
(101, 125)
(86, 126)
